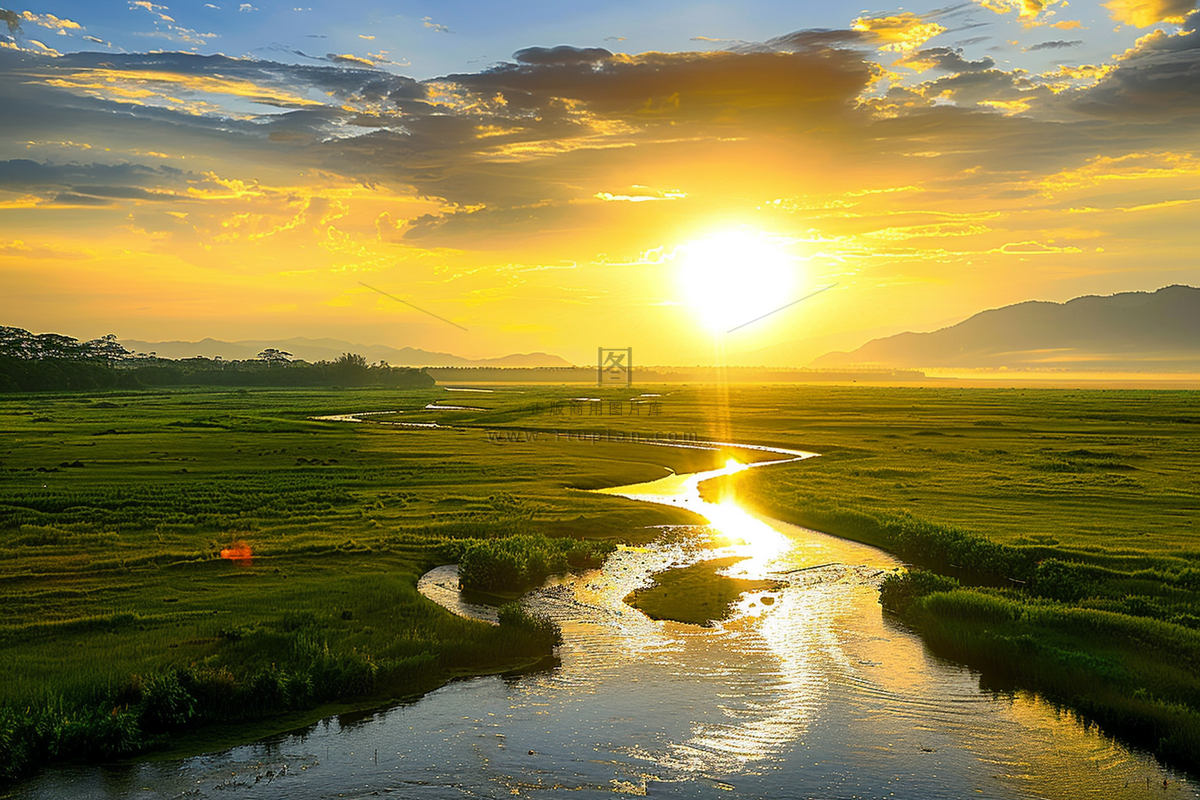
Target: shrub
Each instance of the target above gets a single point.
(541, 627)
(898, 590)
(515, 563)
(1062, 580)
(166, 703)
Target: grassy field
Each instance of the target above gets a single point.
(123, 626)
(1068, 516)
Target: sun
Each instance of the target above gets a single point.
(730, 278)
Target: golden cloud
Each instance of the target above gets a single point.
(898, 33)
(50, 21)
(1026, 9)
(1134, 166)
(1144, 13)
(138, 86)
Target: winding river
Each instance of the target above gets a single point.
(808, 691)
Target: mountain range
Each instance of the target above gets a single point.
(1132, 331)
(330, 349)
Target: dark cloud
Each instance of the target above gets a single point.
(562, 55)
(1058, 44)
(986, 84)
(127, 193)
(26, 172)
(817, 39)
(12, 19)
(686, 86)
(951, 60)
(1158, 80)
(93, 184)
(72, 199)
(958, 9)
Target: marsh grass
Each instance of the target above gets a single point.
(125, 630)
(696, 594)
(515, 563)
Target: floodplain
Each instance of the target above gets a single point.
(1062, 524)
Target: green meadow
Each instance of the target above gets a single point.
(1058, 528)
(124, 628)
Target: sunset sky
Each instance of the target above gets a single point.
(556, 178)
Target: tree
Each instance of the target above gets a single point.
(106, 349)
(273, 356)
(351, 368)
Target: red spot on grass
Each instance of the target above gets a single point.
(238, 553)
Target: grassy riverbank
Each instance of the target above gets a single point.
(1069, 516)
(124, 629)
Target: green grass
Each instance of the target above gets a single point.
(1069, 516)
(695, 594)
(114, 509)
(514, 564)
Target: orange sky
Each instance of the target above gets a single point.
(562, 199)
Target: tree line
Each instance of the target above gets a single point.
(51, 362)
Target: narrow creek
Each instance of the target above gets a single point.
(808, 690)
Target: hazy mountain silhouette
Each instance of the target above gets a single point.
(329, 350)
(1133, 331)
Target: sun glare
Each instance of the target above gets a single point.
(731, 278)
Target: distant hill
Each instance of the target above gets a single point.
(329, 349)
(1133, 331)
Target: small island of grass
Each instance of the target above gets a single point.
(696, 594)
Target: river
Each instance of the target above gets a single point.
(808, 691)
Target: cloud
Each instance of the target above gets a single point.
(350, 59)
(564, 132)
(898, 33)
(945, 59)
(41, 48)
(1054, 45)
(152, 8)
(1028, 10)
(435, 26)
(165, 26)
(640, 194)
(820, 39)
(1033, 248)
(1144, 13)
(50, 21)
(1158, 79)
(1129, 167)
(46, 178)
(563, 55)
(12, 19)
(20, 249)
